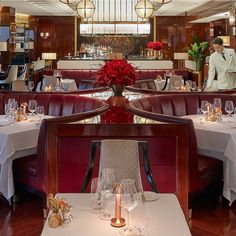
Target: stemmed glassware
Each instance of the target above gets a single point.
(32, 106)
(30, 85)
(204, 107)
(95, 196)
(129, 201)
(192, 85)
(40, 112)
(217, 103)
(229, 107)
(105, 187)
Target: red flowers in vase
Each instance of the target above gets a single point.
(116, 72)
(155, 45)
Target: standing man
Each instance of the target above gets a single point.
(222, 62)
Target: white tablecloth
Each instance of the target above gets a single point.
(218, 140)
(17, 140)
(165, 218)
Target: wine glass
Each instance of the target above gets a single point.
(129, 201)
(30, 85)
(217, 103)
(105, 186)
(140, 216)
(229, 107)
(32, 106)
(95, 196)
(204, 107)
(40, 112)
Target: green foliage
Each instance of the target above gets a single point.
(197, 51)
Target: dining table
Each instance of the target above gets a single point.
(16, 140)
(218, 140)
(164, 217)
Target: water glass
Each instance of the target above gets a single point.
(229, 107)
(32, 106)
(129, 201)
(30, 85)
(105, 186)
(40, 112)
(95, 196)
(204, 107)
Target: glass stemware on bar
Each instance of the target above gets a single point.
(129, 201)
(32, 106)
(106, 184)
(229, 107)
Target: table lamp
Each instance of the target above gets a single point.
(48, 57)
(118, 221)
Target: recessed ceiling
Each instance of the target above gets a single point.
(56, 8)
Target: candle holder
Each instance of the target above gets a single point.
(118, 221)
(213, 114)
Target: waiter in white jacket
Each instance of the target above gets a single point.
(222, 62)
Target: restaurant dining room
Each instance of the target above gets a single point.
(117, 117)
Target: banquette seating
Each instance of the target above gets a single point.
(204, 172)
(31, 171)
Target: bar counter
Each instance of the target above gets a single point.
(95, 64)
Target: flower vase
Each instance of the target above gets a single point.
(117, 90)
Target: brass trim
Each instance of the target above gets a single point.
(76, 34)
(154, 28)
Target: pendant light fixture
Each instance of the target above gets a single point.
(85, 9)
(162, 1)
(69, 2)
(144, 8)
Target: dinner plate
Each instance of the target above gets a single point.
(150, 196)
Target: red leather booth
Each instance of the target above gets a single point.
(203, 171)
(31, 171)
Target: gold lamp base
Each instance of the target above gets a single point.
(115, 222)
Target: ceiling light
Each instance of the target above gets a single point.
(85, 9)
(144, 8)
(69, 2)
(162, 1)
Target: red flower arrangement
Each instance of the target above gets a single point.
(116, 72)
(155, 45)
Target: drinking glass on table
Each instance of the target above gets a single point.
(229, 107)
(40, 112)
(204, 107)
(106, 185)
(129, 201)
(32, 106)
(95, 196)
(30, 85)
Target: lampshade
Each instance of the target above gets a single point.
(85, 9)
(69, 2)
(180, 56)
(49, 56)
(3, 46)
(226, 40)
(144, 8)
(162, 1)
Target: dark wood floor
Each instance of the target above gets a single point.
(209, 218)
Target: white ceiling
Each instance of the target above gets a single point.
(55, 7)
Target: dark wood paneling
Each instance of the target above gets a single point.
(62, 35)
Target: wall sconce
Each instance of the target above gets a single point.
(44, 35)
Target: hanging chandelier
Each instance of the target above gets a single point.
(144, 8)
(162, 1)
(69, 2)
(85, 9)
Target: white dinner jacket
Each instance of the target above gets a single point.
(217, 63)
